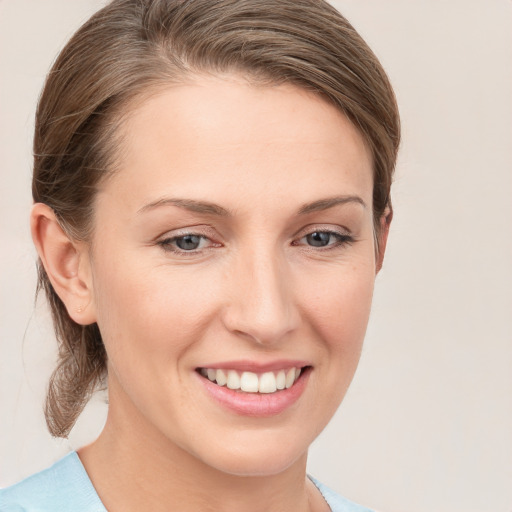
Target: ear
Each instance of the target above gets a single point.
(66, 262)
(385, 222)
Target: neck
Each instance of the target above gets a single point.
(133, 467)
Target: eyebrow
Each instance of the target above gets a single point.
(188, 204)
(330, 202)
(208, 208)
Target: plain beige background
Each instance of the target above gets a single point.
(427, 424)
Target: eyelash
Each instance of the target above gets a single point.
(341, 239)
(167, 244)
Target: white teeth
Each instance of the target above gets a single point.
(233, 381)
(250, 382)
(290, 378)
(281, 379)
(222, 378)
(267, 383)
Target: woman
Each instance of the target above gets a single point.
(211, 206)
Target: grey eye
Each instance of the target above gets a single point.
(318, 238)
(188, 242)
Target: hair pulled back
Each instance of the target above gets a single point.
(132, 47)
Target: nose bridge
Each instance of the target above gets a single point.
(263, 306)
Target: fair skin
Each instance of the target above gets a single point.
(236, 235)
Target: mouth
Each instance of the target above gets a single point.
(269, 382)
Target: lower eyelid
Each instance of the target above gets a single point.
(340, 237)
(168, 244)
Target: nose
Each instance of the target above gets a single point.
(261, 304)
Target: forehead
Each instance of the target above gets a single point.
(226, 136)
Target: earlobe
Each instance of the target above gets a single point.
(66, 263)
(385, 223)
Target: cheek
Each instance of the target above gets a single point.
(338, 308)
(148, 316)
(149, 320)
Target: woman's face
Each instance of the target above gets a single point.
(235, 243)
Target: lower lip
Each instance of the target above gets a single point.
(256, 404)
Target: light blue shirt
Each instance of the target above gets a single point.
(65, 486)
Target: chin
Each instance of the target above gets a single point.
(258, 464)
(256, 455)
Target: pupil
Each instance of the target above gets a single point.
(318, 239)
(188, 242)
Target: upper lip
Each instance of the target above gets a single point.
(248, 365)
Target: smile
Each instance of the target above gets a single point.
(250, 382)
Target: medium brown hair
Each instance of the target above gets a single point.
(131, 47)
